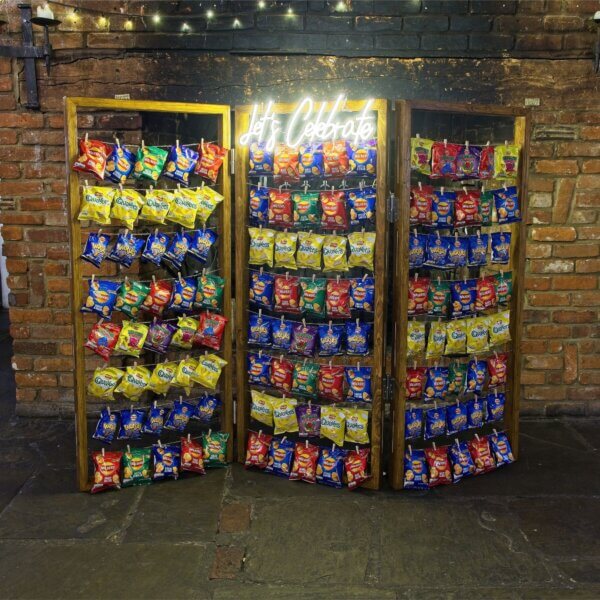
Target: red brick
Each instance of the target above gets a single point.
(589, 377)
(542, 392)
(539, 217)
(537, 283)
(18, 282)
(21, 249)
(56, 269)
(557, 167)
(591, 166)
(591, 182)
(16, 265)
(586, 298)
(44, 170)
(10, 170)
(44, 137)
(548, 331)
(551, 265)
(588, 265)
(586, 217)
(53, 364)
(539, 41)
(26, 395)
(534, 346)
(19, 332)
(539, 250)
(590, 362)
(12, 232)
(541, 149)
(532, 377)
(574, 282)
(553, 234)
(42, 204)
(578, 149)
(574, 316)
(549, 299)
(588, 198)
(540, 184)
(8, 136)
(576, 250)
(46, 234)
(555, 346)
(563, 23)
(539, 361)
(20, 188)
(25, 120)
(58, 285)
(30, 315)
(35, 379)
(589, 233)
(563, 200)
(59, 301)
(590, 133)
(581, 7)
(17, 218)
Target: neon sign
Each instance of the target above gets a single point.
(307, 125)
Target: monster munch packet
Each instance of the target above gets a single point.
(415, 470)
(106, 471)
(506, 161)
(104, 381)
(136, 467)
(305, 462)
(330, 467)
(309, 420)
(186, 328)
(160, 334)
(161, 378)
(156, 205)
(257, 450)
(155, 419)
(181, 161)
(214, 447)
(96, 248)
(304, 339)
(95, 204)
(106, 428)
(210, 160)
(134, 382)
(92, 157)
(102, 338)
(281, 454)
(211, 330)
(439, 466)
(420, 154)
(192, 456)
(102, 297)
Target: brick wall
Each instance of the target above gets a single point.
(487, 52)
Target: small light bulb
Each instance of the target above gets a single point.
(210, 13)
(102, 22)
(236, 23)
(290, 11)
(341, 6)
(185, 27)
(73, 16)
(261, 3)
(156, 18)
(128, 25)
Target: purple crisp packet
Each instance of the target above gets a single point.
(159, 336)
(309, 420)
(304, 339)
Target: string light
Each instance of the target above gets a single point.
(261, 3)
(210, 13)
(290, 11)
(102, 22)
(72, 16)
(341, 6)
(156, 18)
(236, 23)
(185, 27)
(128, 25)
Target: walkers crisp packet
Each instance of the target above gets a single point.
(285, 250)
(106, 471)
(92, 157)
(181, 161)
(439, 466)
(95, 204)
(149, 162)
(102, 297)
(134, 382)
(262, 243)
(156, 205)
(210, 160)
(415, 470)
(330, 467)
(104, 381)
(306, 211)
(281, 455)
(257, 449)
(184, 207)
(305, 462)
(312, 298)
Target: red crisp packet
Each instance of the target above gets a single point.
(191, 456)
(305, 462)
(103, 338)
(479, 448)
(158, 297)
(92, 157)
(287, 294)
(466, 208)
(421, 198)
(257, 450)
(486, 162)
(486, 293)
(106, 471)
(210, 331)
(281, 210)
(497, 368)
(418, 289)
(282, 374)
(439, 466)
(285, 164)
(330, 383)
(333, 208)
(338, 299)
(210, 160)
(443, 159)
(335, 159)
(355, 465)
(415, 379)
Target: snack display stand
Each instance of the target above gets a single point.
(217, 121)
(455, 123)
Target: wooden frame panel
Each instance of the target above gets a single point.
(72, 107)
(404, 110)
(377, 361)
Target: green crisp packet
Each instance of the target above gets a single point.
(306, 208)
(305, 378)
(136, 467)
(504, 286)
(149, 162)
(130, 297)
(209, 293)
(312, 298)
(214, 449)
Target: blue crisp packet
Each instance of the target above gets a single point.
(180, 164)
(495, 406)
(155, 248)
(184, 294)
(201, 244)
(310, 163)
(435, 422)
(463, 295)
(500, 248)
(126, 249)
(106, 427)
(362, 293)
(119, 164)
(478, 245)
(362, 158)
(436, 385)
(415, 470)
(501, 449)
(456, 417)
(457, 252)
(442, 209)
(281, 454)
(330, 467)
(259, 368)
(281, 334)
(131, 424)
(259, 206)
(179, 416)
(330, 339)
(413, 423)
(417, 246)
(259, 330)
(96, 248)
(467, 162)
(261, 289)
(507, 205)
(205, 409)
(358, 384)
(437, 251)
(462, 463)
(357, 337)
(177, 250)
(362, 205)
(476, 371)
(167, 460)
(155, 420)
(102, 296)
(475, 416)
(261, 159)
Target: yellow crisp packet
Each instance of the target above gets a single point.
(357, 425)
(416, 337)
(261, 408)
(126, 206)
(420, 155)
(134, 382)
(362, 249)
(209, 200)
(262, 242)
(183, 337)
(309, 250)
(436, 340)
(456, 337)
(208, 371)
(184, 208)
(162, 376)
(156, 206)
(506, 161)
(131, 339)
(185, 369)
(284, 415)
(333, 424)
(104, 381)
(95, 204)
(499, 328)
(334, 253)
(285, 249)
(477, 335)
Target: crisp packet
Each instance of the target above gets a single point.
(284, 415)
(285, 164)
(439, 466)
(126, 206)
(499, 328)
(495, 406)
(417, 247)
(355, 466)
(456, 417)
(475, 416)
(209, 292)
(259, 368)
(358, 335)
(286, 292)
(500, 247)
(103, 382)
(261, 159)
(443, 159)
(186, 328)
(357, 426)
(497, 369)
(102, 338)
(130, 298)
(333, 210)
(413, 423)
(134, 382)
(106, 428)
(442, 209)
(102, 297)
(362, 158)
(158, 297)
(506, 161)
(362, 205)
(162, 376)
(420, 155)
(362, 249)
(486, 162)
(358, 384)
(437, 251)
(479, 448)
(156, 205)
(457, 252)
(149, 162)
(106, 470)
(477, 335)
(92, 157)
(305, 462)
(131, 339)
(136, 467)
(304, 339)
(457, 377)
(210, 160)
(311, 160)
(330, 383)
(160, 334)
(362, 294)
(435, 422)
(281, 333)
(333, 422)
(414, 382)
(421, 199)
(312, 297)
(202, 243)
(177, 250)
(285, 250)
(260, 288)
(309, 420)
(259, 330)
(438, 298)
(436, 341)
(501, 449)
(281, 454)
(476, 372)
(466, 208)
(280, 208)
(258, 205)
(179, 416)
(456, 337)
(184, 207)
(257, 449)
(167, 461)
(467, 162)
(155, 248)
(192, 456)
(418, 289)
(335, 159)
(485, 293)
(211, 330)
(208, 371)
(507, 205)
(436, 386)
(262, 243)
(132, 420)
(504, 287)
(462, 463)
(155, 420)
(126, 249)
(416, 338)
(330, 467)
(184, 294)
(261, 407)
(463, 295)
(308, 255)
(337, 299)
(181, 161)
(478, 245)
(305, 378)
(95, 204)
(96, 248)
(306, 209)
(334, 253)
(486, 201)
(183, 376)
(415, 470)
